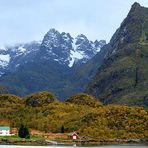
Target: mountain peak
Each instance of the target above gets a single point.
(135, 8)
(51, 38)
(136, 5)
(81, 37)
(131, 28)
(100, 43)
(81, 40)
(52, 30)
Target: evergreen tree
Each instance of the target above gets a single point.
(23, 132)
(62, 129)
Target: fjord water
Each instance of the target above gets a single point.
(113, 146)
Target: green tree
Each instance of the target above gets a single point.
(23, 132)
(62, 129)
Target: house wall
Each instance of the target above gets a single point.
(4, 132)
(73, 136)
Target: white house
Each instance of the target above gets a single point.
(4, 131)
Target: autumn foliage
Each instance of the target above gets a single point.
(96, 122)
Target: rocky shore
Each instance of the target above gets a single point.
(72, 142)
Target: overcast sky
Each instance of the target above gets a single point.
(28, 20)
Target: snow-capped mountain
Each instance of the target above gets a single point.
(47, 64)
(60, 47)
(69, 51)
(13, 56)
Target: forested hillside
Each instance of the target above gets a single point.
(42, 111)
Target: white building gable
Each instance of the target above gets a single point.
(4, 131)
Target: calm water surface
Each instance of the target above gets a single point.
(113, 146)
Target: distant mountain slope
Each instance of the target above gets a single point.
(123, 77)
(84, 73)
(48, 64)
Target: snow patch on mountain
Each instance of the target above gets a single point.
(3, 48)
(17, 65)
(74, 55)
(98, 49)
(21, 49)
(4, 60)
(74, 44)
